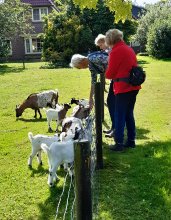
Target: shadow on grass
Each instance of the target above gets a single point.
(40, 170)
(32, 119)
(141, 132)
(4, 69)
(132, 185)
(142, 62)
(138, 182)
(49, 207)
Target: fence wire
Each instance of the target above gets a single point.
(90, 127)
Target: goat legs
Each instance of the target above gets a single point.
(39, 113)
(34, 152)
(49, 127)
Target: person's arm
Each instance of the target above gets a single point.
(113, 65)
(91, 98)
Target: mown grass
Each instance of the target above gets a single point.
(135, 184)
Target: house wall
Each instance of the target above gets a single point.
(18, 44)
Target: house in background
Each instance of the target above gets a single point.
(23, 48)
(30, 48)
(137, 12)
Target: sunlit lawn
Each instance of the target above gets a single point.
(135, 184)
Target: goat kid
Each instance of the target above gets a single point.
(56, 115)
(58, 153)
(81, 102)
(36, 101)
(36, 142)
(80, 112)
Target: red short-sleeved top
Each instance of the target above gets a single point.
(121, 59)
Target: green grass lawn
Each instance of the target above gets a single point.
(134, 185)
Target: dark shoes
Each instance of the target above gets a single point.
(129, 144)
(109, 134)
(107, 131)
(117, 147)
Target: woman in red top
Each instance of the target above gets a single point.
(121, 59)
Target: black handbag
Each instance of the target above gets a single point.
(136, 76)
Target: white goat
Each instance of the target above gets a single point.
(36, 142)
(58, 153)
(56, 115)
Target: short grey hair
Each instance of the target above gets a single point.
(113, 36)
(76, 59)
(100, 37)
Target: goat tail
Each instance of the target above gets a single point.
(44, 147)
(30, 136)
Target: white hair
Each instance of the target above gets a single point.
(99, 38)
(76, 59)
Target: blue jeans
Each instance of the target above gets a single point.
(124, 115)
(111, 104)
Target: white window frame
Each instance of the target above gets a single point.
(40, 15)
(10, 47)
(30, 46)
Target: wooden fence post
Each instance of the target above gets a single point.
(102, 80)
(98, 120)
(83, 180)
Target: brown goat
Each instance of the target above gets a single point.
(81, 112)
(36, 101)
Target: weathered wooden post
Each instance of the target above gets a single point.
(98, 120)
(102, 80)
(83, 180)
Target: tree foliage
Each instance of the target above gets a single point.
(14, 17)
(158, 42)
(147, 33)
(63, 36)
(121, 8)
(74, 30)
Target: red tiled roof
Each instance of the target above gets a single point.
(38, 2)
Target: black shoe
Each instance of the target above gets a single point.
(107, 131)
(110, 135)
(117, 147)
(130, 144)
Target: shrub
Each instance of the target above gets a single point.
(158, 41)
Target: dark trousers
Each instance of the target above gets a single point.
(111, 104)
(124, 115)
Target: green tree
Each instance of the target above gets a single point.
(121, 8)
(158, 42)
(74, 30)
(63, 36)
(14, 17)
(153, 13)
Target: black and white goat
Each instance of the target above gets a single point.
(81, 102)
